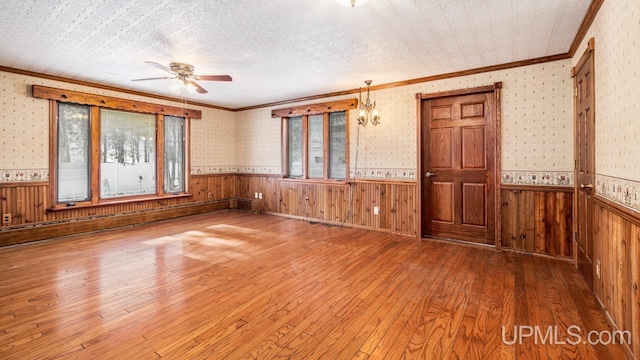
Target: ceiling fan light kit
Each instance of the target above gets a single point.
(183, 77)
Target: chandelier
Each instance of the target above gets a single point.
(367, 111)
(351, 3)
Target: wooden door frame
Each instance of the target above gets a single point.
(588, 54)
(496, 117)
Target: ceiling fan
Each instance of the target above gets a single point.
(184, 77)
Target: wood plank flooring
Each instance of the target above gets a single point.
(231, 285)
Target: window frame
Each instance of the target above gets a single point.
(96, 103)
(306, 111)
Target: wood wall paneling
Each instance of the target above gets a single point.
(28, 203)
(537, 221)
(337, 203)
(220, 186)
(617, 255)
(548, 231)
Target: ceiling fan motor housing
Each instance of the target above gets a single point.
(182, 69)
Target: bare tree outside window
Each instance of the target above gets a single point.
(173, 154)
(126, 139)
(73, 153)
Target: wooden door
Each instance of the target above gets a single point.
(458, 189)
(585, 163)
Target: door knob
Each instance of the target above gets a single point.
(429, 174)
(586, 186)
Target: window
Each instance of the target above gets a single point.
(295, 146)
(316, 146)
(338, 145)
(73, 153)
(318, 141)
(127, 160)
(315, 141)
(110, 149)
(174, 154)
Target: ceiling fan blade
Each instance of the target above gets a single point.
(159, 66)
(154, 78)
(213, 77)
(199, 88)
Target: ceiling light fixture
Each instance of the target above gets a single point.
(180, 84)
(351, 3)
(368, 111)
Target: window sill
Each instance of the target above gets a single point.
(120, 201)
(317, 181)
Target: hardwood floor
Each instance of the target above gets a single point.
(230, 285)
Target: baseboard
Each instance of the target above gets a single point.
(336, 223)
(460, 242)
(43, 231)
(540, 255)
(614, 327)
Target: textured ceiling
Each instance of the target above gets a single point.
(278, 49)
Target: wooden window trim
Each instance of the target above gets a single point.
(314, 109)
(77, 97)
(96, 103)
(305, 111)
(317, 181)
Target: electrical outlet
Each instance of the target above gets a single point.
(6, 219)
(306, 200)
(260, 196)
(210, 195)
(598, 269)
(255, 195)
(376, 210)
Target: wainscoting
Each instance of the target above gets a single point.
(534, 219)
(617, 248)
(28, 203)
(537, 219)
(331, 203)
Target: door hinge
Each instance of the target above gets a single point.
(575, 237)
(575, 164)
(575, 91)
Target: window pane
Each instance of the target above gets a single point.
(73, 153)
(316, 146)
(173, 154)
(127, 152)
(337, 146)
(295, 146)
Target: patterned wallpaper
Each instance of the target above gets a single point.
(213, 139)
(258, 140)
(616, 30)
(536, 129)
(24, 129)
(537, 126)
